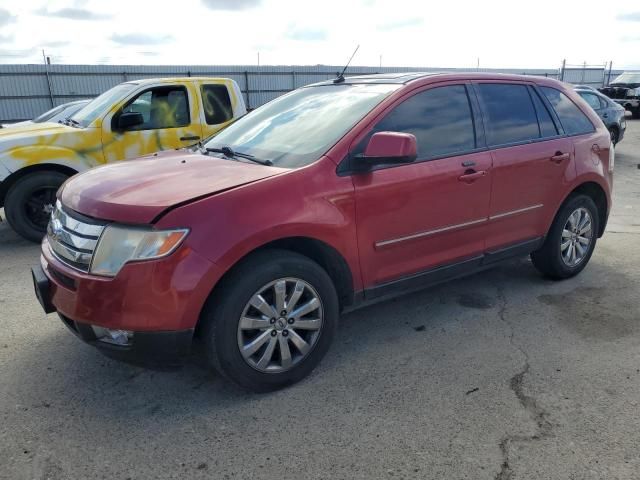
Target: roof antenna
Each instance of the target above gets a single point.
(340, 77)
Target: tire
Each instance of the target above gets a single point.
(27, 203)
(613, 132)
(551, 259)
(635, 113)
(223, 334)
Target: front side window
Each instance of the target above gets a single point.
(510, 116)
(573, 120)
(160, 107)
(216, 104)
(297, 128)
(440, 118)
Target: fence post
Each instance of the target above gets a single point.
(246, 84)
(609, 74)
(293, 79)
(564, 62)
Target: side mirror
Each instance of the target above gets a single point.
(130, 119)
(386, 148)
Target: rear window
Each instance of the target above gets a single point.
(571, 117)
(216, 104)
(547, 126)
(509, 113)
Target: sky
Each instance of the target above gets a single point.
(411, 33)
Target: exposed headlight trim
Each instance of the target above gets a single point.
(119, 244)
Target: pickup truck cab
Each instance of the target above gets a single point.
(328, 197)
(625, 91)
(130, 120)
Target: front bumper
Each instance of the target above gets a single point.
(159, 301)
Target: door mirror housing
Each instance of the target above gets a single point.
(387, 148)
(130, 119)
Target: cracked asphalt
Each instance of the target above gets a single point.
(502, 375)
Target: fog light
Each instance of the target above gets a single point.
(114, 337)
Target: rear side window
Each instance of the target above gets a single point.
(547, 127)
(509, 113)
(216, 104)
(573, 120)
(440, 118)
(591, 99)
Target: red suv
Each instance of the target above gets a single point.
(333, 195)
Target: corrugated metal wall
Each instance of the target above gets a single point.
(28, 90)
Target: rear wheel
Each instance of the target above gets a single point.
(571, 239)
(635, 113)
(271, 321)
(613, 133)
(30, 201)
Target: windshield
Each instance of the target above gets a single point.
(628, 77)
(60, 112)
(297, 128)
(98, 105)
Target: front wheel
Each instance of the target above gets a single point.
(271, 321)
(571, 239)
(30, 201)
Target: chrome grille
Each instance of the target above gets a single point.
(72, 240)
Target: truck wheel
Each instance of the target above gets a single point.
(571, 239)
(30, 201)
(635, 113)
(271, 321)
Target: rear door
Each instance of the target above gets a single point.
(417, 216)
(532, 161)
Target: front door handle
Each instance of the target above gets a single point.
(188, 138)
(471, 176)
(560, 157)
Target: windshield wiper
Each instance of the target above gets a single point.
(228, 152)
(69, 121)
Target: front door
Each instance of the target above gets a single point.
(169, 121)
(418, 216)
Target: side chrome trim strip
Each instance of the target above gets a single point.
(428, 233)
(392, 241)
(515, 212)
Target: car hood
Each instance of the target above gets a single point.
(30, 130)
(138, 191)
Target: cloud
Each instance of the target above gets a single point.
(399, 24)
(12, 55)
(56, 43)
(231, 4)
(307, 34)
(629, 17)
(6, 38)
(6, 17)
(73, 14)
(630, 38)
(140, 39)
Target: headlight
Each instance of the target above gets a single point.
(119, 245)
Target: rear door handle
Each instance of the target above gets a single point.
(192, 137)
(472, 176)
(560, 157)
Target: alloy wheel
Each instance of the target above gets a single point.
(576, 238)
(280, 325)
(39, 206)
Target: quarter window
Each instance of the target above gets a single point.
(162, 107)
(509, 113)
(573, 120)
(216, 103)
(440, 118)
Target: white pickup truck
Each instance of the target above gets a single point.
(130, 120)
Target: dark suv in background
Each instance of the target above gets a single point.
(611, 114)
(625, 91)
